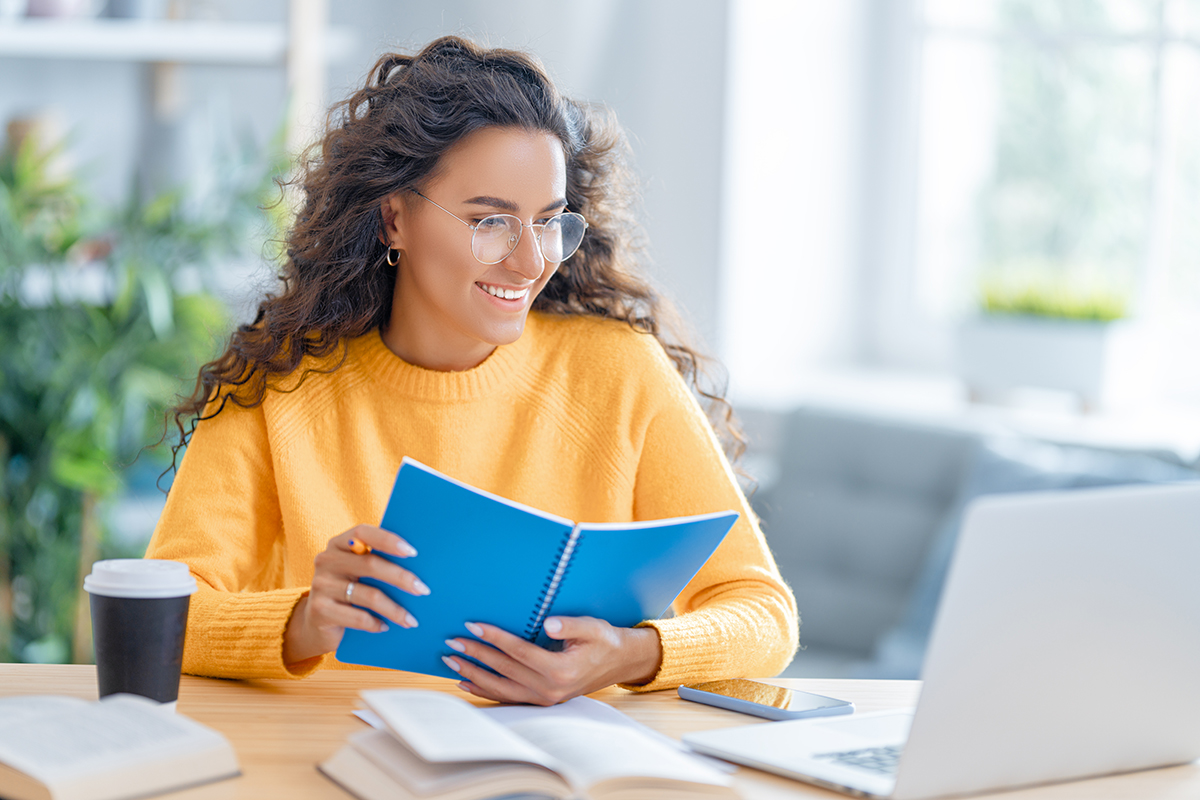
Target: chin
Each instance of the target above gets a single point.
(508, 333)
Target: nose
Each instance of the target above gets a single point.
(526, 259)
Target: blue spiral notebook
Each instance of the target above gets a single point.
(488, 559)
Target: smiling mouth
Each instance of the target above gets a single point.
(503, 294)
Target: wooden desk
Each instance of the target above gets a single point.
(281, 729)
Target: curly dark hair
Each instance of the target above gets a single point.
(388, 137)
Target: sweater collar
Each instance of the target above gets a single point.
(507, 364)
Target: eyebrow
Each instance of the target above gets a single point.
(509, 205)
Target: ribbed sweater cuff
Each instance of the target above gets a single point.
(241, 635)
(687, 652)
(735, 640)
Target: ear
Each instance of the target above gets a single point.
(392, 210)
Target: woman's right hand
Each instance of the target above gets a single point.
(338, 601)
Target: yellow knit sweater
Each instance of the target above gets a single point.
(581, 417)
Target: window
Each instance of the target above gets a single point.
(1058, 138)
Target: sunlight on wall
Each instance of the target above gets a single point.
(791, 187)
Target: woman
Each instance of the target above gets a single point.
(434, 305)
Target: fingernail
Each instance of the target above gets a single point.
(466, 687)
(552, 625)
(406, 549)
(419, 587)
(451, 663)
(383, 627)
(410, 619)
(475, 629)
(453, 645)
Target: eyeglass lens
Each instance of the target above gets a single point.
(497, 236)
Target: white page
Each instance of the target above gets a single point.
(598, 751)
(575, 708)
(585, 708)
(73, 740)
(439, 727)
(431, 779)
(16, 710)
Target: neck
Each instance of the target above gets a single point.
(413, 343)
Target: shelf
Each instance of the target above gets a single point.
(185, 41)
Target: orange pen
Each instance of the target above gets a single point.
(359, 547)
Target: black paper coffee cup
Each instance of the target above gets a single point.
(139, 621)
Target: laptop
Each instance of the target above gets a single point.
(1066, 645)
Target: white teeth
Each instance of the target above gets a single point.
(506, 294)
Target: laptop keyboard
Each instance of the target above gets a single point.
(882, 760)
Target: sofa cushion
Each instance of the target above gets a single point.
(1005, 465)
(849, 516)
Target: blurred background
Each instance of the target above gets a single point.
(943, 249)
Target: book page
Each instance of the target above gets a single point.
(436, 779)
(595, 752)
(439, 727)
(587, 708)
(16, 710)
(66, 741)
(577, 708)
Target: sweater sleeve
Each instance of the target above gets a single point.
(737, 617)
(222, 519)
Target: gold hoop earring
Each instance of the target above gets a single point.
(393, 260)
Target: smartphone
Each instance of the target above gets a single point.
(764, 700)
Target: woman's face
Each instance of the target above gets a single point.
(444, 313)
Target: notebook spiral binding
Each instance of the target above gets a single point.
(562, 562)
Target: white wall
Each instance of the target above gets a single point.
(97, 105)
(889, 212)
(660, 66)
(791, 282)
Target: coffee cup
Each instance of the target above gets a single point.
(139, 620)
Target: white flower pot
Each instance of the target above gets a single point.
(1104, 364)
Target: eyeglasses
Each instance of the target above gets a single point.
(495, 237)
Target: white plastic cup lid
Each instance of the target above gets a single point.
(140, 577)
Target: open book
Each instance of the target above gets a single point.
(488, 559)
(439, 747)
(63, 748)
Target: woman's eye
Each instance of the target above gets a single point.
(490, 223)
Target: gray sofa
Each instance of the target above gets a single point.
(862, 512)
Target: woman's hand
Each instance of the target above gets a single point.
(594, 655)
(338, 601)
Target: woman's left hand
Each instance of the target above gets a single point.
(594, 655)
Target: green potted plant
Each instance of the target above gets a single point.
(1055, 329)
(103, 323)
